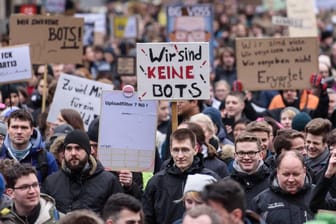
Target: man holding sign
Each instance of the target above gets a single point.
(167, 186)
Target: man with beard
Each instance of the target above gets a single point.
(82, 182)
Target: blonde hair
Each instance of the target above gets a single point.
(206, 120)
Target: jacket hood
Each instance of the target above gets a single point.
(36, 141)
(275, 187)
(94, 167)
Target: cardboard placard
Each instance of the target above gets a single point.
(302, 10)
(52, 39)
(125, 27)
(126, 66)
(276, 63)
(80, 94)
(15, 64)
(173, 71)
(123, 143)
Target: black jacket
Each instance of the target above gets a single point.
(320, 199)
(254, 183)
(277, 206)
(89, 190)
(164, 188)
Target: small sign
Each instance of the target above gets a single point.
(126, 66)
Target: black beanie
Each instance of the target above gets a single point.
(78, 137)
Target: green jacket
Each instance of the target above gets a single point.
(48, 213)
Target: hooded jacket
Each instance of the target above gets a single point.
(88, 190)
(277, 206)
(167, 186)
(253, 183)
(48, 213)
(31, 158)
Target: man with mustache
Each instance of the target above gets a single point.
(82, 182)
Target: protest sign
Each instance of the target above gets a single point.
(283, 21)
(52, 39)
(126, 66)
(54, 6)
(79, 94)
(276, 63)
(125, 27)
(123, 143)
(191, 23)
(173, 71)
(302, 10)
(15, 64)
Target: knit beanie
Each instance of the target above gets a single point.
(300, 120)
(78, 137)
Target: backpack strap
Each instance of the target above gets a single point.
(42, 163)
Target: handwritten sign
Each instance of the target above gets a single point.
(80, 94)
(52, 39)
(123, 143)
(303, 10)
(276, 63)
(173, 70)
(125, 27)
(283, 21)
(15, 64)
(126, 66)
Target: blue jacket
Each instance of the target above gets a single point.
(37, 146)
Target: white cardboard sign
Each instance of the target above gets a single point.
(173, 71)
(80, 94)
(15, 63)
(127, 130)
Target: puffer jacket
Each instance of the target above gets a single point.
(31, 158)
(48, 213)
(88, 190)
(167, 186)
(277, 206)
(254, 183)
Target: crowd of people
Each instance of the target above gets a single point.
(239, 157)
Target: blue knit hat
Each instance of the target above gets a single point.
(300, 120)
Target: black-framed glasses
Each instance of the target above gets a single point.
(250, 154)
(27, 187)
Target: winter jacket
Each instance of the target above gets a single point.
(164, 188)
(48, 213)
(318, 164)
(87, 190)
(253, 183)
(277, 206)
(31, 158)
(320, 200)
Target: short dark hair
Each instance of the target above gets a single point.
(81, 216)
(331, 140)
(248, 137)
(227, 192)
(22, 115)
(117, 202)
(183, 134)
(281, 142)
(319, 126)
(17, 171)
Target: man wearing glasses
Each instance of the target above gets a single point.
(248, 166)
(167, 186)
(29, 205)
